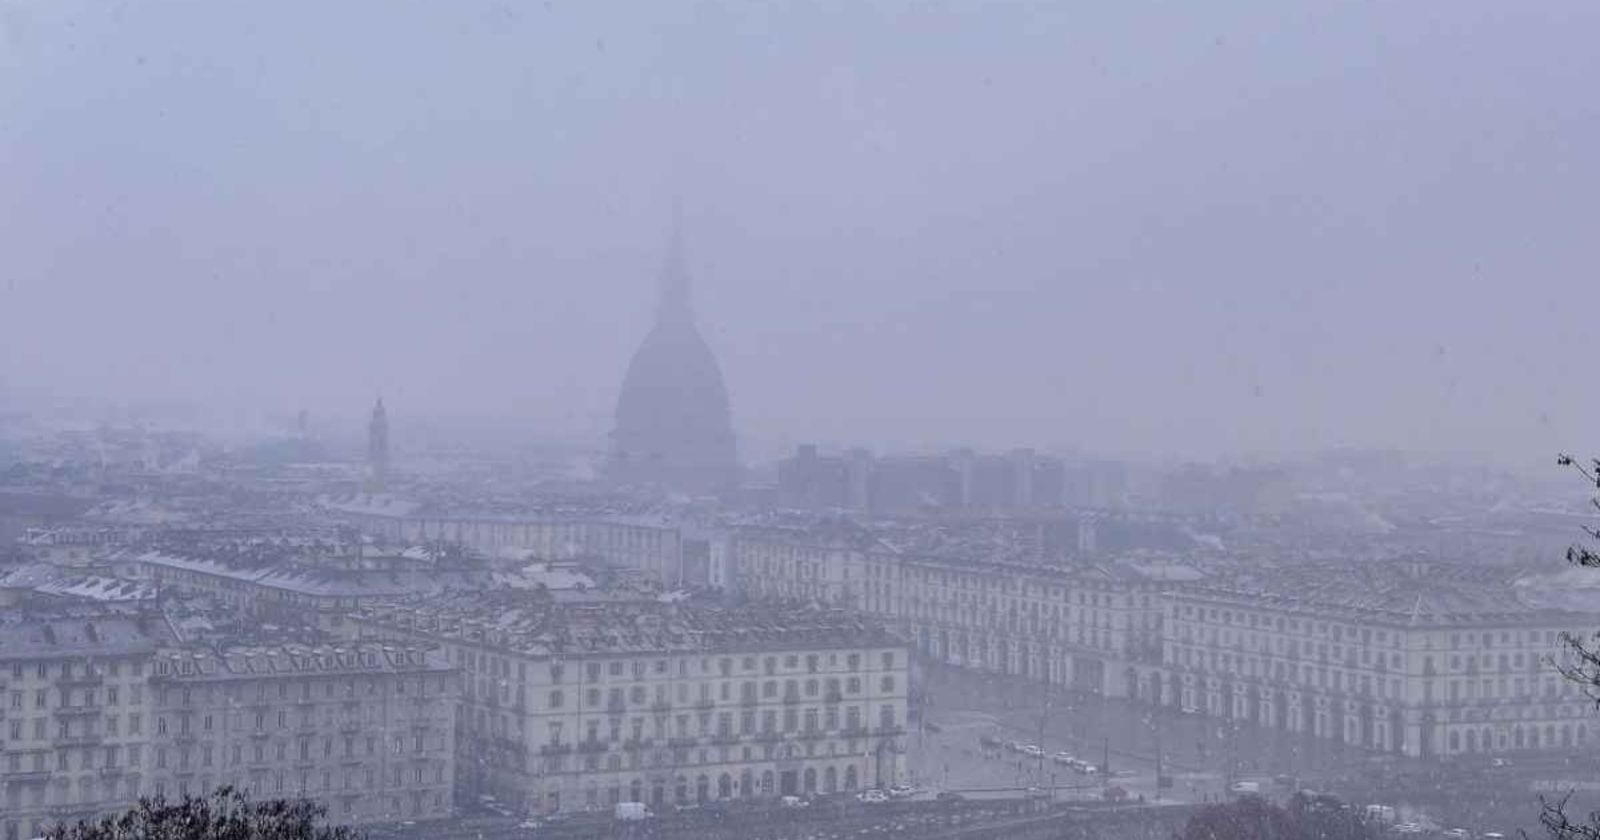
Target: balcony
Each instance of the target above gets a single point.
(791, 699)
(75, 711)
(725, 738)
(747, 700)
(682, 742)
(616, 707)
(833, 697)
(705, 705)
(555, 749)
(592, 746)
(636, 744)
(81, 680)
(660, 707)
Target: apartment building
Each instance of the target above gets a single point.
(642, 540)
(367, 729)
(1088, 628)
(585, 704)
(74, 717)
(99, 711)
(1093, 628)
(819, 561)
(1407, 658)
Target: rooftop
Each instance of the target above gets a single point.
(535, 626)
(102, 635)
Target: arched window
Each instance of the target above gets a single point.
(811, 780)
(850, 777)
(724, 786)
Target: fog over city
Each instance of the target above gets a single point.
(917, 420)
(1213, 230)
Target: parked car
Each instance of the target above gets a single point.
(1190, 710)
(949, 796)
(1088, 769)
(989, 741)
(873, 797)
(1031, 751)
(1457, 834)
(1063, 758)
(1013, 746)
(793, 802)
(631, 811)
(901, 791)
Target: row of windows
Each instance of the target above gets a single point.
(792, 720)
(67, 669)
(71, 697)
(638, 669)
(638, 695)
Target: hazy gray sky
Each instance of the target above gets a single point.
(1201, 228)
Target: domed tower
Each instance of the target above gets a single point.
(673, 425)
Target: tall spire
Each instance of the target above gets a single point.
(378, 448)
(673, 308)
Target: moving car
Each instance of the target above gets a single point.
(1063, 758)
(1031, 751)
(901, 791)
(1245, 787)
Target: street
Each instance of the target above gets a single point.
(1202, 756)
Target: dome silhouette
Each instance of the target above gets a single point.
(674, 428)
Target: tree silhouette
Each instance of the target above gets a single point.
(1254, 818)
(227, 814)
(1581, 665)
